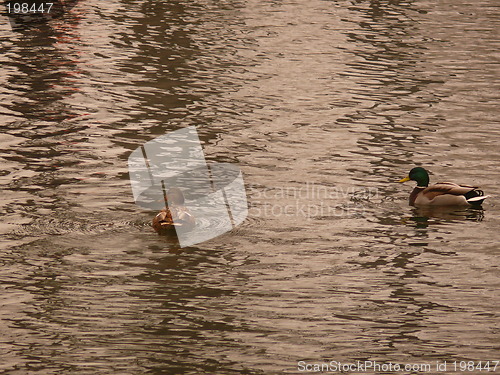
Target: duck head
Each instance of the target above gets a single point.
(419, 175)
(175, 196)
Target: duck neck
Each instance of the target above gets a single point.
(414, 193)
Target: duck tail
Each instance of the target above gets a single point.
(475, 197)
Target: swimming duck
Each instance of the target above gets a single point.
(175, 215)
(442, 193)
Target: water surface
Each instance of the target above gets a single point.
(323, 105)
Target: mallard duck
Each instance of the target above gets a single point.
(442, 193)
(175, 215)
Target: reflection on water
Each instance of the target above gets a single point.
(423, 215)
(343, 95)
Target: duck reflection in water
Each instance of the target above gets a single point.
(433, 215)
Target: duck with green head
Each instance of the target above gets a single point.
(442, 193)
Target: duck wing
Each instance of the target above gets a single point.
(449, 193)
(442, 188)
(181, 216)
(163, 221)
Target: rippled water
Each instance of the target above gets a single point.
(323, 105)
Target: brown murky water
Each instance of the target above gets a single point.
(323, 105)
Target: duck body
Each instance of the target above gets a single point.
(442, 193)
(175, 216)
